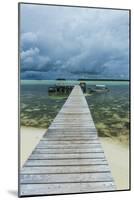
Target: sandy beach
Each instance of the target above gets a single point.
(29, 137)
(116, 153)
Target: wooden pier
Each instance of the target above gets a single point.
(69, 158)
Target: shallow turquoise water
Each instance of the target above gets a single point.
(110, 110)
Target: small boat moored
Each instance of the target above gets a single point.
(98, 89)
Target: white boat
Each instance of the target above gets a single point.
(99, 89)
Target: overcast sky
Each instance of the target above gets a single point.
(72, 43)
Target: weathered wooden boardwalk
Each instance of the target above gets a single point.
(69, 157)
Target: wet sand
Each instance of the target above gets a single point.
(116, 153)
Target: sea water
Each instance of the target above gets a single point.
(110, 110)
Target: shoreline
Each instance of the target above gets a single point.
(116, 152)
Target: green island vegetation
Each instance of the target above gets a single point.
(110, 111)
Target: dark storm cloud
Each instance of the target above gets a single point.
(32, 60)
(73, 42)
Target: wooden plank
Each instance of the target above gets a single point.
(75, 117)
(47, 189)
(55, 140)
(39, 167)
(61, 122)
(70, 136)
(85, 125)
(67, 138)
(83, 129)
(62, 146)
(66, 121)
(66, 162)
(76, 133)
(69, 130)
(56, 151)
(50, 142)
(66, 156)
(72, 126)
(65, 178)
